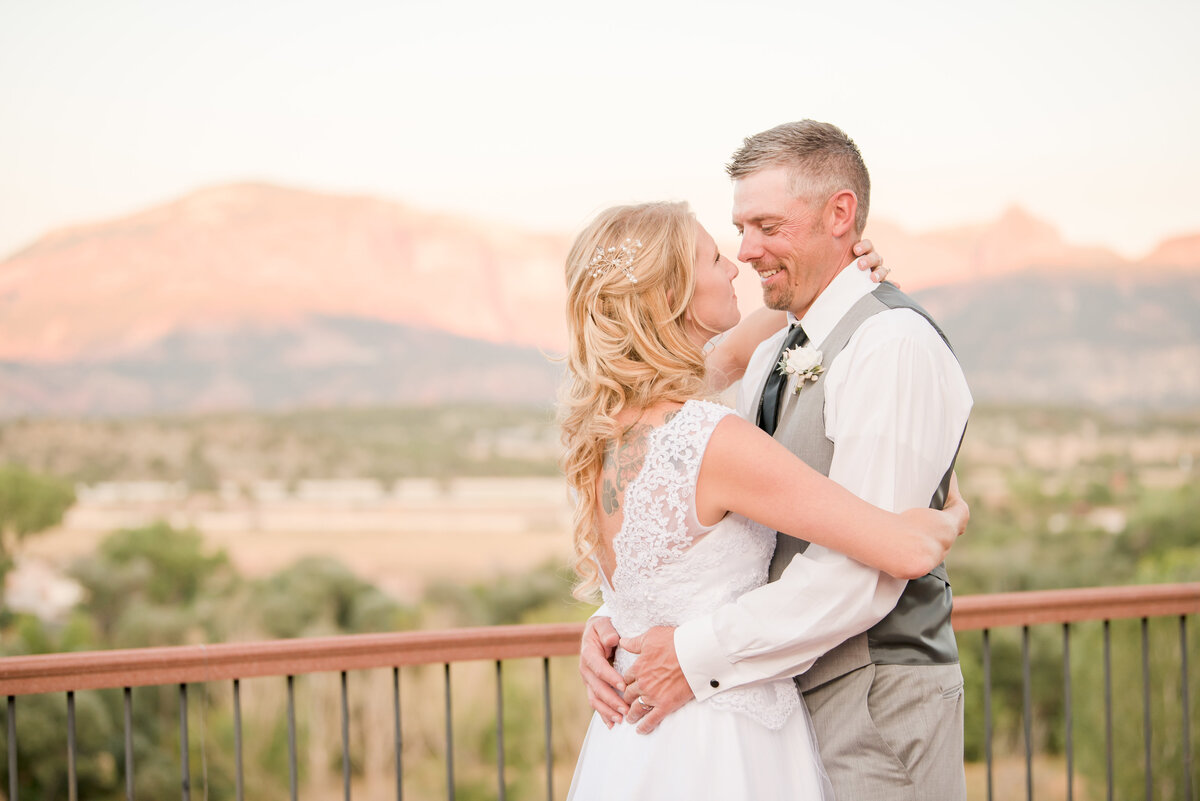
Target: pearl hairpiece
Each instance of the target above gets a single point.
(621, 257)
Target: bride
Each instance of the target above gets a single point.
(678, 502)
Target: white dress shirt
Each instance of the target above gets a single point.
(896, 405)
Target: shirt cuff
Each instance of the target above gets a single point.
(701, 657)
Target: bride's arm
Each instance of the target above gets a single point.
(727, 361)
(747, 472)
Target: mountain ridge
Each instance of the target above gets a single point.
(260, 252)
(339, 295)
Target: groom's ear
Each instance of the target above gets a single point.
(840, 212)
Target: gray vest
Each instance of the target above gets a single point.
(917, 631)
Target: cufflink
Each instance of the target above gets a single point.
(714, 683)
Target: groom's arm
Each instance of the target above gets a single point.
(896, 405)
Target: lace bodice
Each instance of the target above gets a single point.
(670, 569)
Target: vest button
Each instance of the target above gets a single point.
(714, 683)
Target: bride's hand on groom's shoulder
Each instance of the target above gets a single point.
(655, 685)
(953, 516)
(956, 506)
(870, 259)
(604, 684)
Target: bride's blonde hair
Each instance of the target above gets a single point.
(627, 346)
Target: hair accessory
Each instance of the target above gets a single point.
(621, 257)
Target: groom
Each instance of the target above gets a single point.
(876, 656)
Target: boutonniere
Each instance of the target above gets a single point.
(803, 362)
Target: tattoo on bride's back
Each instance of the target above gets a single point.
(622, 462)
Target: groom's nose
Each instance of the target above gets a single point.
(750, 249)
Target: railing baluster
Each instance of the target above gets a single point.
(128, 744)
(72, 779)
(1146, 705)
(500, 728)
(987, 707)
(549, 745)
(12, 748)
(183, 743)
(237, 738)
(292, 777)
(1027, 707)
(449, 741)
(1187, 712)
(398, 738)
(1108, 733)
(345, 739)
(1067, 713)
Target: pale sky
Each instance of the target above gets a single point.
(1084, 113)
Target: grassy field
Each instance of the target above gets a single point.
(475, 535)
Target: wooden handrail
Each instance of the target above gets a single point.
(1072, 606)
(136, 667)
(24, 675)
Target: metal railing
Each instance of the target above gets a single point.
(1067, 607)
(202, 664)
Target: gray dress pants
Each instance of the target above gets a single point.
(892, 733)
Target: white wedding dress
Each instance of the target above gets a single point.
(752, 743)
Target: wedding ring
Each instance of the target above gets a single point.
(641, 700)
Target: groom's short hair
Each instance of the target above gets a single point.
(821, 157)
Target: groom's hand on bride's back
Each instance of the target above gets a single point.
(604, 684)
(655, 678)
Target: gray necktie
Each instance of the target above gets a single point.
(772, 395)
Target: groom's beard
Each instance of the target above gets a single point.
(778, 290)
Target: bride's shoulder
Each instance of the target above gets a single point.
(703, 420)
(689, 419)
(734, 438)
(707, 408)
(708, 416)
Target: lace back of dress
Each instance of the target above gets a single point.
(660, 522)
(670, 568)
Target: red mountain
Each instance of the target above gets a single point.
(267, 256)
(254, 296)
(1181, 251)
(259, 255)
(1013, 243)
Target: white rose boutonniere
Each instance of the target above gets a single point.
(803, 362)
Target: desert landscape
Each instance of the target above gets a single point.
(465, 530)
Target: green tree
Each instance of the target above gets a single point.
(506, 599)
(1162, 520)
(29, 503)
(155, 585)
(318, 595)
